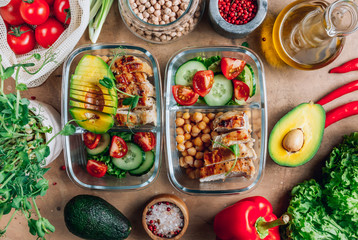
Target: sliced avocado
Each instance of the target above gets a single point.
(95, 122)
(97, 100)
(296, 137)
(91, 217)
(87, 88)
(99, 108)
(90, 94)
(91, 82)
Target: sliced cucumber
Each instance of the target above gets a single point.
(103, 145)
(221, 92)
(248, 77)
(185, 73)
(132, 160)
(146, 166)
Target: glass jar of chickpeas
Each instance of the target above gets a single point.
(161, 21)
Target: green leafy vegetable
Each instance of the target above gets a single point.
(112, 170)
(98, 14)
(126, 136)
(207, 61)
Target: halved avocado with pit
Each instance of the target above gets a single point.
(92, 82)
(95, 121)
(296, 137)
(99, 108)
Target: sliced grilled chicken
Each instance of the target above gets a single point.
(126, 78)
(231, 138)
(233, 120)
(242, 168)
(145, 103)
(221, 155)
(131, 64)
(141, 89)
(136, 117)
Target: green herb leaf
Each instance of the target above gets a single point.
(8, 72)
(106, 82)
(68, 130)
(37, 56)
(21, 87)
(235, 149)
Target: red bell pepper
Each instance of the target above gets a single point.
(249, 219)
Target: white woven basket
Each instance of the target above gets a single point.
(62, 47)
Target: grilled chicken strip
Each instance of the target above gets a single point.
(131, 64)
(136, 117)
(231, 138)
(233, 120)
(243, 167)
(221, 155)
(141, 89)
(127, 78)
(145, 103)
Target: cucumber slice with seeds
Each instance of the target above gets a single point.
(103, 145)
(132, 160)
(185, 73)
(221, 92)
(146, 166)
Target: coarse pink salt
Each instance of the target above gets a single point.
(165, 219)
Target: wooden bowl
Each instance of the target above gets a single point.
(171, 199)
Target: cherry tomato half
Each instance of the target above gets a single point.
(184, 95)
(21, 39)
(96, 168)
(11, 13)
(61, 9)
(146, 140)
(203, 81)
(47, 33)
(118, 148)
(231, 67)
(91, 139)
(241, 90)
(35, 12)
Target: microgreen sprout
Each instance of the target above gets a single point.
(235, 149)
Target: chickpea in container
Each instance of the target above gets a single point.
(161, 21)
(194, 136)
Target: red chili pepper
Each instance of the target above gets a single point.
(349, 87)
(249, 219)
(341, 112)
(349, 66)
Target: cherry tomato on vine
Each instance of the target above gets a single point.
(21, 39)
(96, 168)
(118, 148)
(241, 90)
(146, 140)
(34, 12)
(184, 95)
(91, 139)
(61, 9)
(47, 33)
(231, 67)
(203, 81)
(11, 13)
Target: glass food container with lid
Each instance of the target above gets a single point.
(160, 21)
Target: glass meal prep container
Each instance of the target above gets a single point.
(255, 108)
(74, 148)
(161, 33)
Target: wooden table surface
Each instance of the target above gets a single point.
(286, 88)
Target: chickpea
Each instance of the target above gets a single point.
(194, 134)
(189, 160)
(206, 120)
(186, 115)
(206, 138)
(199, 155)
(199, 148)
(180, 147)
(195, 129)
(197, 141)
(192, 151)
(187, 121)
(180, 138)
(202, 125)
(188, 144)
(214, 134)
(187, 128)
(180, 131)
(207, 130)
(184, 153)
(187, 136)
(197, 117)
(211, 116)
(179, 122)
(198, 163)
(182, 163)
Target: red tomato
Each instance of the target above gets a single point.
(91, 139)
(118, 147)
(203, 81)
(11, 13)
(241, 90)
(96, 168)
(50, 2)
(146, 140)
(35, 12)
(47, 33)
(184, 95)
(21, 39)
(231, 67)
(61, 9)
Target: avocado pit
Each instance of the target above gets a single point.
(293, 140)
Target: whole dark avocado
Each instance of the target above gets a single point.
(93, 218)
